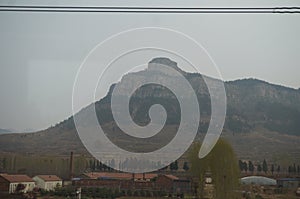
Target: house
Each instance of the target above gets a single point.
(173, 184)
(47, 182)
(16, 183)
(119, 176)
(290, 183)
(127, 181)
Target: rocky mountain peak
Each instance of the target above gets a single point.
(155, 63)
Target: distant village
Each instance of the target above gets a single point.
(126, 184)
(163, 183)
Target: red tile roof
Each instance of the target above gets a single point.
(16, 178)
(95, 175)
(147, 175)
(49, 178)
(172, 177)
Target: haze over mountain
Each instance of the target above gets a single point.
(260, 116)
(5, 131)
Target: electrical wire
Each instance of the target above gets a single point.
(162, 10)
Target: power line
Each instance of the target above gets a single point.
(162, 10)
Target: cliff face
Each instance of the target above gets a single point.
(251, 103)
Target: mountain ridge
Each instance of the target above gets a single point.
(5, 131)
(251, 105)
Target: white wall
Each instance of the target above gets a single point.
(28, 186)
(46, 185)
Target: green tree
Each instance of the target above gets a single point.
(251, 166)
(94, 165)
(290, 169)
(185, 166)
(176, 165)
(129, 192)
(272, 169)
(265, 166)
(222, 164)
(259, 169)
(245, 166)
(278, 169)
(241, 165)
(4, 163)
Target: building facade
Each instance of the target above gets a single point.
(124, 181)
(16, 183)
(47, 182)
(173, 184)
(290, 183)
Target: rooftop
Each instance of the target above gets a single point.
(172, 177)
(288, 179)
(260, 180)
(96, 175)
(49, 178)
(16, 178)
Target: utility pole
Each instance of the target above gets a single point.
(78, 192)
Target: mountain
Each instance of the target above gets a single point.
(256, 111)
(4, 131)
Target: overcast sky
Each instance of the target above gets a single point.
(40, 53)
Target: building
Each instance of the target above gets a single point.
(173, 184)
(123, 181)
(15, 183)
(47, 182)
(119, 176)
(290, 183)
(258, 180)
(127, 181)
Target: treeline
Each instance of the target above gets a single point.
(292, 169)
(37, 165)
(60, 165)
(96, 165)
(174, 166)
(249, 166)
(99, 192)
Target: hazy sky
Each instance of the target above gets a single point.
(40, 53)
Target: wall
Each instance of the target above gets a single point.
(28, 186)
(4, 185)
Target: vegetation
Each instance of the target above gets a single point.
(36, 165)
(101, 192)
(265, 166)
(174, 166)
(221, 162)
(186, 166)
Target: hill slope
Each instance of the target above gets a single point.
(4, 131)
(253, 106)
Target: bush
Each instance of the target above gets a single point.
(258, 197)
(123, 193)
(136, 193)
(149, 194)
(142, 193)
(129, 192)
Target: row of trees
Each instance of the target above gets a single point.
(96, 165)
(293, 169)
(102, 192)
(174, 166)
(249, 166)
